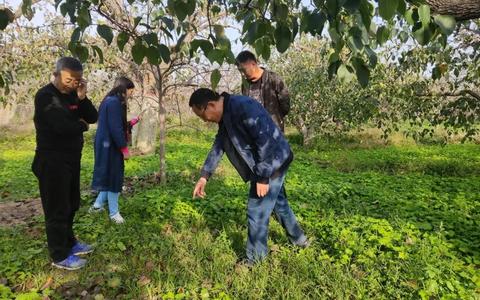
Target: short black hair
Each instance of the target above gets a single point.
(202, 96)
(245, 56)
(70, 63)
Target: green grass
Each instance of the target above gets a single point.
(389, 222)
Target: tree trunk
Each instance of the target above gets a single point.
(162, 112)
(460, 9)
(144, 134)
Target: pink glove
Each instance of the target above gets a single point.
(134, 121)
(125, 152)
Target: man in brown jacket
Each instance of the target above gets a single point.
(264, 86)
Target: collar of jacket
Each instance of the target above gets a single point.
(226, 99)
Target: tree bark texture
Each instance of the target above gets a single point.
(460, 9)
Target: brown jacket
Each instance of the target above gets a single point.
(274, 96)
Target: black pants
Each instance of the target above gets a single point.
(59, 180)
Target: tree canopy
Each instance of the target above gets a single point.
(354, 27)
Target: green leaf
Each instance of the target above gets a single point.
(332, 7)
(333, 67)
(215, 78)
(366, 11)
(411, 16)
(27, 10)
(5, 18)
(121, 247)
(316, 22)
(280, 11)
(372, 57)
(334, 35)
(84, 19)
(153, 55)
(122, 40)
(344, 74)
(436, 73)
(252, 32)
(151, 38)
(76, 35)
(190, 7)
(81, 52)
(422, 34)
(283, 37)
(136, 21)
(164, 53)
(98, 51)
(402, 7)
(446, 23)
(355, 39)
(424, 14)
(387, 8)
(362, 71)
(403, 36)
(179, 8)
(262, 48)
(334, 57)
(352, 5)
(2, 82)
(106, 33)
(168, 22)
(215, 55)
(215, 9)
(138, 52)
(382, 35)
(68, 8)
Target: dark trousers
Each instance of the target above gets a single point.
(59, 181)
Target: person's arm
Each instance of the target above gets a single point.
(115, 123)
(214, 156)
(57, 117)
(87, 111)
(211, 163)
(282, 94)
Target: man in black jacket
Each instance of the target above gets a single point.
(62, 113)
(264, 86)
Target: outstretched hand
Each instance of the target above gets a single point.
(199, 190)
(262, 189)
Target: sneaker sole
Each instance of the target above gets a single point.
(83, 252)
(67, 268)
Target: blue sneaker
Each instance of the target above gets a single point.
(81, 248)
(71, 263)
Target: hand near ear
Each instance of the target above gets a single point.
(82, 89)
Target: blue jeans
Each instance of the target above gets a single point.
(258, 216)
(112, 199)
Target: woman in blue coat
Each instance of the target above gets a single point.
(111, 147)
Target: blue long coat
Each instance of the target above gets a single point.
(109, 139)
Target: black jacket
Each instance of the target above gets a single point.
(57, 120)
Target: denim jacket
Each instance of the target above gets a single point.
(255, 138)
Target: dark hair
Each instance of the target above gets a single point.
(202, 96)
(68, 63)
(245, 56)
(120, 87)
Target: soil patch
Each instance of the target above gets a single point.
(19, 212)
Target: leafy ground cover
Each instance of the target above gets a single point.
(387, 222)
